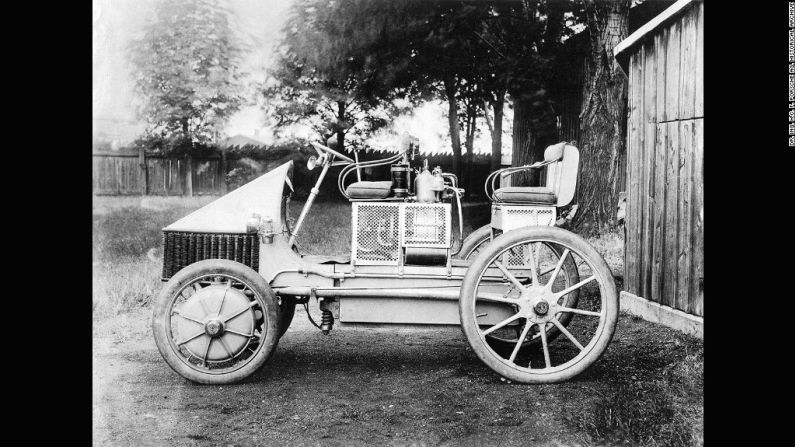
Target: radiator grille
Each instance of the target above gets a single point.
(181, 249)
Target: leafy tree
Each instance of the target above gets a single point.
(186, 74)
(323, 80)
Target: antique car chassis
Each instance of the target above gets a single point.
(514, 288)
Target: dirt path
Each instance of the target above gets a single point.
(354, 387)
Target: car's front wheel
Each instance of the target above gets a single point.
(216, 321)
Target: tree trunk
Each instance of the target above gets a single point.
(452, 120)
(469, 143)
(524, 141)
(496, 133)
(340, 127)
(602, 120)
(188, 161)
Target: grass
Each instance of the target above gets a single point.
(654, 394)
(127, 254)
(648, 389)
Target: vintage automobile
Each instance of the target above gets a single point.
(536, 303)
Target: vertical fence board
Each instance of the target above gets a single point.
(687, 80)
(672, 70)
(696, 305)
(638, 177)
(660, 41)
(630, 245)
(647, 188)
(659, 213)
(685, 247)
(699, 67)
(671, 208)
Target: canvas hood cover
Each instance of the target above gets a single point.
(229, 213)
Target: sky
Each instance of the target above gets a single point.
(116, 22)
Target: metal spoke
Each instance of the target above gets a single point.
(509, 275)
(574, 287)
(228, 286)
(180, 343)
(567, 333)
(533, 266)
(543, 331)
(579, 311)
(180, 314)
(501, 324)
(239, 333)
(252, 304)
(226, 348)
(520, 341)
(207, 351)
(540, 274)
(495, 297)
(557, 268)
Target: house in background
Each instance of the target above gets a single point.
(664, 245)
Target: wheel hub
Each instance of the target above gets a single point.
(537, 304)
(214, 327)
(541, 307)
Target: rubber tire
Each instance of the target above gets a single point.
(288, 312)
(478, 238)
(473, 240)
(269, 303)
(479, 264)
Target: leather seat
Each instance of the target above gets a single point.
(525, 194)
(369, 190)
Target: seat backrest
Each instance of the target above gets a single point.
(561, 176)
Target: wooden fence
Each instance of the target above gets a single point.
(126, 173)
(131, 173)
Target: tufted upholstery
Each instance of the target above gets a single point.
(368, 190)
(525, 194)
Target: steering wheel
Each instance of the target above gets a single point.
(320, 149)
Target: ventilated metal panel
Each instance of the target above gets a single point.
(181, 249)
(376, 232)
(509, 218)
(426, 225)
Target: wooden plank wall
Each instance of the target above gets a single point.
(665, 154)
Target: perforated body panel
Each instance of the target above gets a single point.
(381, 230)
(511, 217)
(376, 235)
(426, 225)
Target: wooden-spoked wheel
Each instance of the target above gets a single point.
(547, 258)
(216, 321)
(503, 287)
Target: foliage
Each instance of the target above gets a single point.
(322, 81)
(186, 73)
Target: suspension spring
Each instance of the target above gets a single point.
(326, 321)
